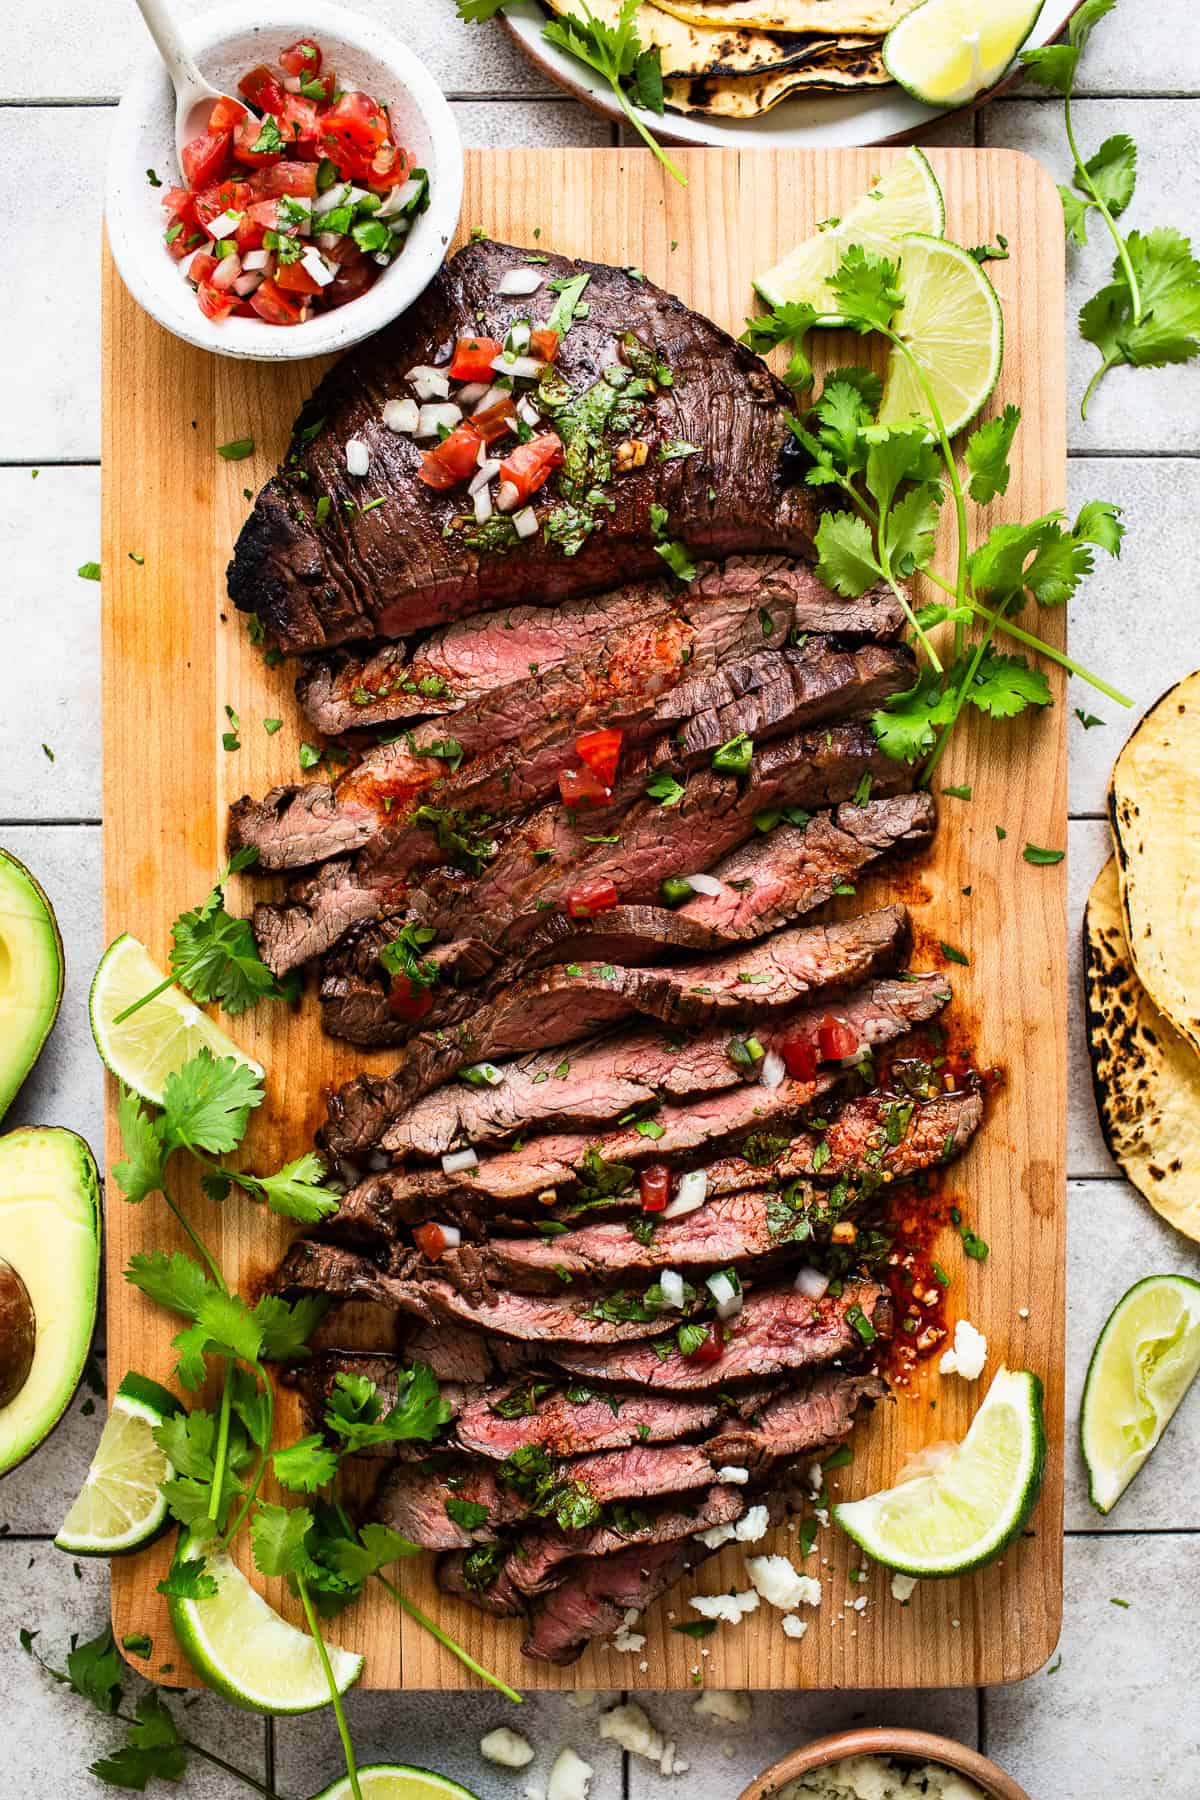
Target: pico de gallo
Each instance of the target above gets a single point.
(295, 200)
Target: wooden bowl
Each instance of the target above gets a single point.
(886, 1740)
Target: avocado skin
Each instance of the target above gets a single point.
(22, 1049)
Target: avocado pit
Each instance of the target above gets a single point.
(18, 1333)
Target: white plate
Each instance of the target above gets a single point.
(817, 122)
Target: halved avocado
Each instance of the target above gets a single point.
(31, 974)
(49, 1280)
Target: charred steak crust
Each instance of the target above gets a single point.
(392, 571)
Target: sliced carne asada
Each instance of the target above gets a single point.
(567, 1001)
(318, 576)
(420, 1501)
(573, 1420)
(532, 1318)
(809, 1420)
(777, 1329)
(600, 1591)
(317, 1381)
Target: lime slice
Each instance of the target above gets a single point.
(965, 1512)
(119, 1507)
(907, 198)
(947, 51)
(395, 1781)
(951, 322)
(162, 1035)
(1145, 1360)
(241, 1647)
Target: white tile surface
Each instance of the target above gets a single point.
(1166, 59)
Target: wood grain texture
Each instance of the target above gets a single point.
(175, 655)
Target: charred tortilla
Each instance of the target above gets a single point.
(689, 49)
(1154, 810)
(1146, 1076)
(751, 95)
(831, 17)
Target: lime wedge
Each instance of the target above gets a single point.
(120, 1507)
(951, 322)
(241, 1647)
(395, 1781)
(964, 1513)
(162, 1035)
(1145, 1360)
(907, 198)
(947, 51)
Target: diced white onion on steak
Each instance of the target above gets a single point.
(358, 457)
(811, 1283)
(704, 884)
(689, 1194)
(671, 1283)
(773, 1070)
(471, 392)
(486, 1072)
(401, 415)
(451, 1235)
(483, 475)
(525, 522)
(456, 1161)
(527, 411)
(441, 413)
(247, 282)
(520, 281)
(507, 497)
(314, 264)
(256, 259)
(727, 1297)
(521, 368)
(225, 225)
(429, 383)
(516, 339)
(483, 505)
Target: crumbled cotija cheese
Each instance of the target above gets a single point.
(878, 1778)
(624, 1638)
(569, 1778)
(632, 1728)
(793, 1625)
(732, 1474)
(733, 1708)
(902, 1586)
(728, 1607)
(508, 1748)
(968, 1355)
(750, 1529)
(780, 1584)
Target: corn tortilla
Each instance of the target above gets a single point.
(686, 49)
(1146, 1076)
(753, 95)
(831, 17)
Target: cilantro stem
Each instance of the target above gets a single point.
(447, 1642)
(251, 1494)
(960, 698)
(647, 136)
(145, 1000)
(339, 1713)
(197, 1241)
(220, 1455)
(911, 616)
(1085, 180)
(210, 1756)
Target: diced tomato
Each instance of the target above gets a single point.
(264, 214)
(711, 1347)
(301, 58)
(591, 897)
(244, 140)
(262, 89)
(529, 464)
(225, 196)
(250, 235)
(580, 787)
(433, 473)
(180, 204)
(352, 131)
(836, 1039)
(544, 343)
(473, 358)
(226, 115)
(300, 126)
(430, 1241)
(273, 306)
(799, 1058)
(405, 1001)
(206, 157)
(350, 282)
(389, 166)
(213, 303)
(600, 750)
(496, 421)
(182, 239)
(654, 1183)
(455, 459)
(201, 267)
(298, 178)
(294, 278)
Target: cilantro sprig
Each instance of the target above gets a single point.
(1149, 314)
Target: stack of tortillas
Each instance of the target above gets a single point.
(739, 58)
(1142, 961)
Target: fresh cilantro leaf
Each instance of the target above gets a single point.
(250, 1403)
(677, 560)
(1005, 685)
(987, 456)
(188, 1581)
(153, 1750)
(866, 290)
(467, 1513)
(1075, 212)
(666, 790)
(306, 1465)
(230, 1325)
(191, 1349)
(354, 1411)
(906, 726)
(787, 324)
(140, 1172)
(296, 1191)
(562, 313)
(1087, 719)
(187, 1440)
(277, 1534)
(236, 450)
(614, 51)
(207, 1103)
(1099, 523)
(1113, 173)
(88, 571)
(137, 1644)
(1168, 276)
(376, 1547)
(1033, 853)
(214, 956)
(847, 561)
(1053, 65)
(94, 1671)
(286, 1327)
(171, 1278)
(911, 529)
(897, 454)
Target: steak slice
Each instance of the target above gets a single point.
(807, 1421)
(777, 1329)
(746, 604)
(600, 1591)
(396, 568)
(562, 1426)
(529, 1318)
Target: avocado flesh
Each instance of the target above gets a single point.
(50, 1236)
(31, 974)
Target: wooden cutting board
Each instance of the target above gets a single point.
(176, 655)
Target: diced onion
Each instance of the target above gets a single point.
(247, 283)
(471, 392)
(516, 341)
(457, 1161)
(507, 496)
(358, 457)
(489, 397)
(483, 505)
(399, 198)
(401, 415)
(481, 455)
(225, 225)
(226, 272)
(430, 417)
(527, 411)
(484, 1072)
(520, 281)
(704, 884)
(291, 84)
(727, 1296)
(811, 1283)
(451, 1235)
(428, 383)
(525, 522)
(314, 264)
(328, 240)
(521, 368)
(688, 1195)
(671, 1283)
(773, 1070)
(483, 475)
(256, 259)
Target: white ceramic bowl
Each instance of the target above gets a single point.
(225, 44)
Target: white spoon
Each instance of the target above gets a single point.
(194, 97)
